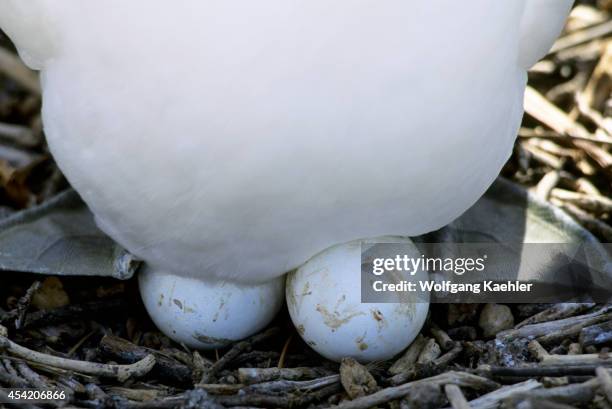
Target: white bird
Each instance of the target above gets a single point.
(232, 140)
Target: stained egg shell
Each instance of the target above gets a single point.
(324, 301)
(208, 315)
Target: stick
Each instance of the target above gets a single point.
(544, 328)
(462, 379)
(582, 359)
(547, 184)
(537, 350)
(11, 379)
(575, 393)
(13, 68)
(236, 350)
(455, 397)
(430, 351)
(124, 351)
(120, 372)
(445, 342)
(582, 36)
(596, 334)
(493, 399)
(24, 303)
(535, 403)
(17, 134)
(538, 371)
(407, 361)
(427, 369)
(541, 109)
(257, 375)
(591, 203)
(605, 381)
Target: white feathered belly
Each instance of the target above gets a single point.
(241, 155)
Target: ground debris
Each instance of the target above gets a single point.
(356, 380)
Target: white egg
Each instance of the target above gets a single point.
(204, 314)
(324, 300)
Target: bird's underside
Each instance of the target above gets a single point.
(234, 139)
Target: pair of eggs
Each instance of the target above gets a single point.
(324, 301)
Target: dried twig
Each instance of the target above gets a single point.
(492, 399)
(544, 328)
(24, 303)
(256, 375)
(236, 350)
(124, 351)
(582, 36)
(461, 379)
(455, 397)
(120, 372)
(12, 67)
(605, 381)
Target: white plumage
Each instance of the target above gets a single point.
(234, 139)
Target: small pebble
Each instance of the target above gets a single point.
(50, 295)
(495, 318)
(356, 379)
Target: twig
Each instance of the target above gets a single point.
(592, 203)
(281, 359)
(455, 397)
(557, 312)
(19, 135)
(24, 304)
(407, 361)
(11, 379)
(582, 359)
(124, 351)
(541, 109)
(536, 403)
(605, 381)
(236, 350)
(462, 379)
(538, 371)
(441, 337)
(429, 368)
(574, 393)
(32, 377)
(544, 328)
(141, 395)
(492, 399)
(256, 375)
(430, 351)
(13, 68)
(537, 350)
(596, 334)
(582, 36)
(284, 386)
(120, 372)
(547, 184)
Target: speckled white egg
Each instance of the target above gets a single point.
(324, 301)
(204, 314)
